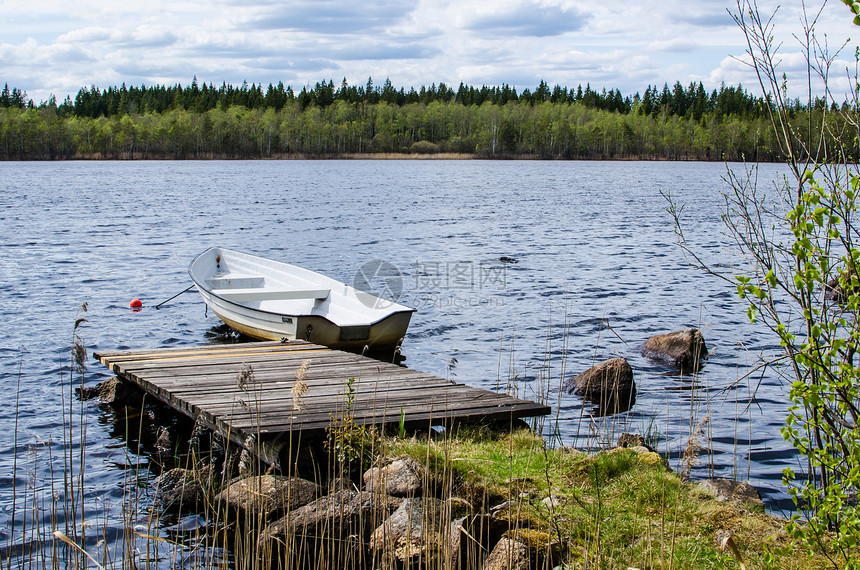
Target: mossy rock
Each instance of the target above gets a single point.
(540, 545)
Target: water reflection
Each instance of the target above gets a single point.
(612, 404)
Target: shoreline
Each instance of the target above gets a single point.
(469, 496)
(98, 157)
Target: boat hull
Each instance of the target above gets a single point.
(384, 333)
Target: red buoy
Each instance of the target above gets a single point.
(135, 304)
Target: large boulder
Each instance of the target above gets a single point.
(508, 554)
(416, 530)
(609, 385)
(402, 477)
(329, 510)
(331, 521)
(265, 495)
(684, 349)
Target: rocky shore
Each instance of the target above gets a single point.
(482, 499)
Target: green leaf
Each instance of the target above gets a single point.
(771, 278)
(798, 281)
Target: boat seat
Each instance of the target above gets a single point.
(264, 294)
(235, 280)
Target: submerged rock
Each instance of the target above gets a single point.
(609, 385)
(684, 349)
(163, 448)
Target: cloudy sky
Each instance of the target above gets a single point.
(57, 46)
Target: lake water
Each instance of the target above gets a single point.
(598, 271)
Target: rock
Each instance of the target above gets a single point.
(508, 554)
(630, 440)
(472, 539)
(543, 552)
(551, 503)
(116, 391)
(644, 454)
(87, 392)
(163, 448)
(730, 490)
(650, 457)
(506, 259)
(635, 442)
(609, 385)
(342, 503)
(455, 544)
(403, 477)
(506, 505)
(266, 495)
(684, 349)
(415, 529)
(460, 507)
(183, 490)
(325, 521)
(340, 484)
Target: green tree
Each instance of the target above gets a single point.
(801, 250)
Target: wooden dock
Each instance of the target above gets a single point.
(247, 391)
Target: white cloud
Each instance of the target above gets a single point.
(528, 18)
(323, 16)
(678, 45)
(611, 44)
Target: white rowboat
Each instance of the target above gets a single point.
(270, 300)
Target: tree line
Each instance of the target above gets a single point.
(204, 121)
(94, 102)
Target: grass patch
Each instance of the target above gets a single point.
(613, 509)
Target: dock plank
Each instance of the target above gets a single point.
(203, 382)
(230, 371)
